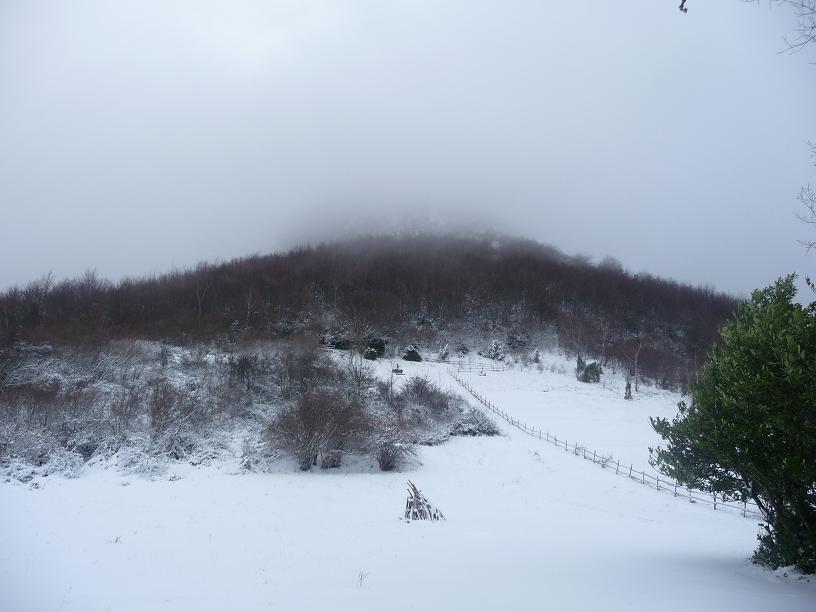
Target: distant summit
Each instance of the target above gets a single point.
(423, 289)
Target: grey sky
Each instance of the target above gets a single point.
(139, 135)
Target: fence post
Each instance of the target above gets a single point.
(744, 507)
(658, 482)
(675, 489)
(593, 456)
(643, 477)
(617, 467)
(714, 495)
(630, 470)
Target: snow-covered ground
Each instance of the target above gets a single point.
(529, 527)
(594, 415)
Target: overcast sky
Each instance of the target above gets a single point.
(141, 135)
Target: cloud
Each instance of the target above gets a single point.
(135, 136)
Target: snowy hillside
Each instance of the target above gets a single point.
(528, 526)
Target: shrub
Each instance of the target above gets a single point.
(243, 369)
(423, 393)
(444, 354)
(411, 354)
(588, 372)
(303, 369)
(496, 351)
(474, 423)
(318, 423)
(748, 430)
(391, 450)
(162, 405)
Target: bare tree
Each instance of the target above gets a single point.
(358, 371)
(805, 29)
(807, 198)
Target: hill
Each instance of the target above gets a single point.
(428, 290)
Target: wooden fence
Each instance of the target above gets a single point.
(656, 481)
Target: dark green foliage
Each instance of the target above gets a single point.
(370, 354)
(377, 345)
(750, 428)
(627, 394)
(411, 354)
(588, 372)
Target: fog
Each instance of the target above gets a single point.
(138, 136)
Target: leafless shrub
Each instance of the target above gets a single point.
(392, 449)
(422, 392)
(244, 368)
(164, 356)
(358, 371)
(394, 401)
(38, 404)
(318, 423)
(123, 407)
(11, 364)
(162, 405)
(303, 369)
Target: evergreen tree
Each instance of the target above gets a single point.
(750, 428)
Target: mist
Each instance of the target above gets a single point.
(139, 136)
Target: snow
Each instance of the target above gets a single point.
(528, 527)
(594, 415)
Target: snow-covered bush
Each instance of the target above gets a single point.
(517, 340)
(495, 351)
(318, 424)
(588, 372)
(474, 423)
(411, 353)
(444, 354)
(391, 451)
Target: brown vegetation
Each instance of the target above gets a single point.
(414, 288)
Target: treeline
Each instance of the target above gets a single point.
(414, 288)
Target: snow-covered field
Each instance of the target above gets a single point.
(529, 527)
(594, 415)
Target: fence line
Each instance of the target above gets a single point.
(462, 366)
(656, 482)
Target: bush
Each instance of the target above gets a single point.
(319, 423)
(162, 405)
(748, 431)
(495, 351)
(411, 354)
(392, 451)
(303, 369)
(243, 369)
(474, 423)
(588, 372)
(444, 354)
